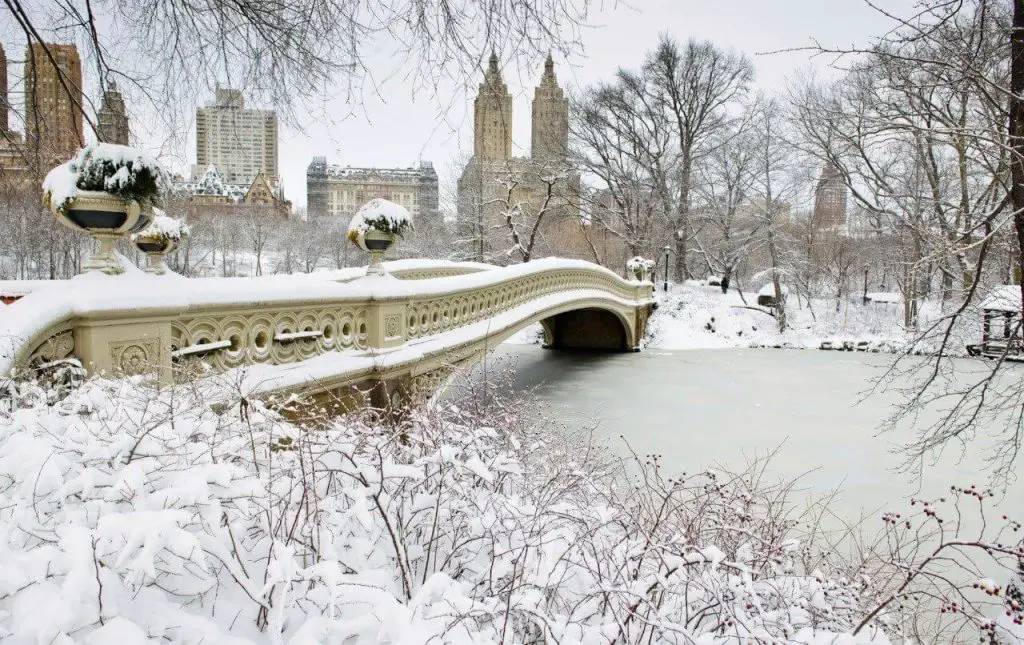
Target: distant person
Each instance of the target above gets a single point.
(725, 283)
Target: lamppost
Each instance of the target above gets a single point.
(668, 249)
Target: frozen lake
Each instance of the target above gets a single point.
(701, 407)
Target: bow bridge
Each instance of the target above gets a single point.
(318, 332)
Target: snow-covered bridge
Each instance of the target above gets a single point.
(321, 331)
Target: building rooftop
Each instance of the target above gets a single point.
(1004, 297)
(213, 184)
(337, 171)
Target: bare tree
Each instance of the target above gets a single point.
(726, 230)
(624, 143)
(696, 86)
(926, 130)
(773, 186)
(166, 52)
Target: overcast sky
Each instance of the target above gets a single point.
(395, 126)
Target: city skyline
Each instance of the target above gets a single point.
(437, 125)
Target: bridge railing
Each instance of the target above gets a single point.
(412, 269)
(128, 324)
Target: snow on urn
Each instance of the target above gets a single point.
(106, 190)
(640, 269)
(376, 227)
(162, 236)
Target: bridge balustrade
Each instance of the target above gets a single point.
(127, 325)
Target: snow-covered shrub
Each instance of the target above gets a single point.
(106, 167)
(380, 215)
(163, 229)
(43, 384)
(129, 513)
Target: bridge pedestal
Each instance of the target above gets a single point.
(126, 349)
(385, 324)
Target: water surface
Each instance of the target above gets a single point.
(701, 407)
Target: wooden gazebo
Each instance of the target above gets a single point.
(1001, 333)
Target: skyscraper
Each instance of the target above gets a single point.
(239, 142)
(13, 164)
(113, 121)
(53, 101)
(550, 124)
(4, 104)
(483, 185)
(492, 117)
(830, 198)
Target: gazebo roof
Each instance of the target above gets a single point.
(1003, 298)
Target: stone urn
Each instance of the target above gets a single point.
(641, 269)
(376, 243)
(156, 249)
(105, 217)
(376, 227)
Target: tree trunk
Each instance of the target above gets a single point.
(780, 296)
(682, 232)
(1016, 130)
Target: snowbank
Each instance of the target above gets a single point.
(131, 514)
(692, 316)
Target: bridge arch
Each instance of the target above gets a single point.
(586, 324)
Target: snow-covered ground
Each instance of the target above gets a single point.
(695, 316)
(133, 515)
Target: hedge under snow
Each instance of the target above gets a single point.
(133, 515)
(381, 215)
(107, 167)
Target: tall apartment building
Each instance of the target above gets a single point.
(550, 123)
(830, 196)
(5, 125)
(337, 191)
(239, 142)
(492, 117)
(112, 126)
(482, 185)
(13, 162)
(53, 101)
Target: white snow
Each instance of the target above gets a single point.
(62, 184)
(884, 297)
(393, 267)
(769, 290)
(380, 214)
(164, 227)
(693, 316)
(136, 515)
(639, 263)
(1003, 298)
